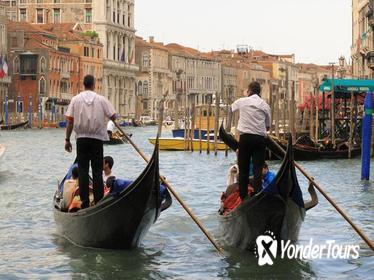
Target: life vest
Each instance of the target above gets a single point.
(232, 201)
(76, 203)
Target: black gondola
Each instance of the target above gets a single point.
(280, 209)
(118, 140)
(14, 126)
(116, 222)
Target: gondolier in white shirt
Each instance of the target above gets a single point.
(254, 122)
(87, 114)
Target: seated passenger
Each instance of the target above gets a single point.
(267, 176)
(116, 186)
(70, 185)
(107, 168)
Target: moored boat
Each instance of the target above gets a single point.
(278, 209)
(117, 221)
(14, 126)
(180, 144)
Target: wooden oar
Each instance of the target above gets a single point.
(171, 189)
(329, 199)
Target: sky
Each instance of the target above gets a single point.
(316, 31)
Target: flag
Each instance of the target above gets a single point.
(5, 66)
(2, 73)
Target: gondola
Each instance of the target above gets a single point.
(116, 222)
(14, 126)
(279, 209)
(117, 140)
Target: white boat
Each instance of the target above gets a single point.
(2, 150)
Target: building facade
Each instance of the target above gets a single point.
(113, 22)
(4, 73)
(154, 78)
(362, 49)
(44, 76)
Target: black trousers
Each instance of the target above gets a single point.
(251, 148)
(90, 150)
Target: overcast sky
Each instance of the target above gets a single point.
(317, 31)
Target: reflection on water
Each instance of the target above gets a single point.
(174, 247)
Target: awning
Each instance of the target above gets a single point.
(346, 86)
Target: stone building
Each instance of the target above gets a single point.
(4, 77)
(87, 46)
(154, 78)
(41, 70)
(362, 49)
(113, 21)
(199, 75)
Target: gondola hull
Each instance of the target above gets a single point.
(278, 209)
(118, 221)
(114, 141)
(14, 126)
(258, 215)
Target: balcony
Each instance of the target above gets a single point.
(28, 64)
(370, 59)
(65, 75)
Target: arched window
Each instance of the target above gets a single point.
(145, 89)
(42, 65)
(140, 88)
(42, 89)
(16, 65)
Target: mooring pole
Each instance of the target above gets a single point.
(366, 136)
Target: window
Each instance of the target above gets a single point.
(39, 16)
(16, 65)
(22, 15)
(88, 1)
(42, 86)
(145, 89)
(39, 1)
(140, 88)
(22, 1)
(56, 1)
(86, 51)
(56, 16)
(146, 60)
(114, 13)
(42, 65)
(118, 12)
(88, 15)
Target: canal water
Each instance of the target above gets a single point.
(174, 248)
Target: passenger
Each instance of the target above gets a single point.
(110, 127)
(107, 168)
(70, 186)
(267, 176)
(116, 186)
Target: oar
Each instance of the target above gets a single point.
(329, 199)
(171, 189)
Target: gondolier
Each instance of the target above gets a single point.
(87, 114)
(254, 121)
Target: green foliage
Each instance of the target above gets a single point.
(91, 34)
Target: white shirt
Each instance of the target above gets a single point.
(90, 111)
(254, 115)
(105, 177)
(110, 126)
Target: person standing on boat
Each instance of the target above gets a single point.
(254, 121)
(87, 114)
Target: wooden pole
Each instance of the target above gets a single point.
(192, 130)
(332, 107)
(350, 127)
(175, 194)
(216, 122)
(186, 129)
(208, 129)
(329, 199)
(292, 111)
(311, 122)
(200, 120)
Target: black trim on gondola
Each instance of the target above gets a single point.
(117, 221)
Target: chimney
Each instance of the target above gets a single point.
(151, 39)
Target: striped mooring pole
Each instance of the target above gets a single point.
(366, 136)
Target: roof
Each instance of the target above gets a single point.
(28, 28)
(346, 86)
(188, 52)
(140, 42)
